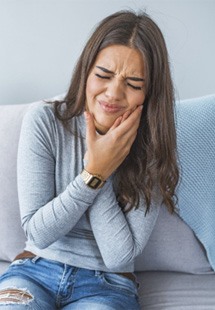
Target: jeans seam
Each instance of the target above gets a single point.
(116, 286)
(59, 297)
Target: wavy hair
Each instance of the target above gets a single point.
(152, 161)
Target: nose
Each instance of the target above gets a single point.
(114, 90)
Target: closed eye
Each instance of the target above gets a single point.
(102, 76)
(134, 87)
(108, 77)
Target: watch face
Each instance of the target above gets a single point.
(94, 182)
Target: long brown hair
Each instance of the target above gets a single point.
(152, 160)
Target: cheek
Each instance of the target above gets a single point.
(93, 87)
(138, 99)
(142, 99)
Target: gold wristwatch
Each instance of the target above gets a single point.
(92, 180)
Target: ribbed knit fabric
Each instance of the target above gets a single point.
(64, 219)
(196, 191)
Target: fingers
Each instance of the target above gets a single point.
(90, 127)
(124, 125)
(125, 116)
(86, 156)
(130, 120)
(106, 152)
(132, 114)
(116, 123)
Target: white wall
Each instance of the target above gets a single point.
(40, 41)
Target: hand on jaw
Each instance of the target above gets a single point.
(106, 152)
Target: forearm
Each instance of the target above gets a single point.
(45, 224)
(52, 199)
(120, 237)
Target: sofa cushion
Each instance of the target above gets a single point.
(12, 235)
(173, 246)
(174, 290)
(195, 125)
(3, 266)
(12, 238)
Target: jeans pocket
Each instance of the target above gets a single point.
(119, 282)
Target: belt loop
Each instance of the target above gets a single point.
(34, 259)
(98, 273)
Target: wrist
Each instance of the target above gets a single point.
(95, 170)
(92, 180)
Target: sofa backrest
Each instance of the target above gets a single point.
(12, 238)
(178, 247)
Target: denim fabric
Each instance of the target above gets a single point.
(50, 285)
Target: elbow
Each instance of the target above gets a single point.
(40, 243)
(116, 263)
(118, 260)
(36, 237)
(111, 265)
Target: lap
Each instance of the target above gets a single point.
(89, 306)
(19, 291)
(105, 291)
(48, 285)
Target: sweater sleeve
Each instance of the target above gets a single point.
(46, 217)
(120, 236)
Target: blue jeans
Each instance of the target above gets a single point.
(38, 283)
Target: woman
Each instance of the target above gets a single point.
(93, 169)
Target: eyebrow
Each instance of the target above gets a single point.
(133, 78)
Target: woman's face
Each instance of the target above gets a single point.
(115, 84)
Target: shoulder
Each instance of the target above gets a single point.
(43, 109)
(41, 116)
(40, 123)
(40, 111)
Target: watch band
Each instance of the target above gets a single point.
(94, 181)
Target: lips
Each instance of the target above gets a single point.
(110, 108)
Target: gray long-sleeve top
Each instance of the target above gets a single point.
(64, 219)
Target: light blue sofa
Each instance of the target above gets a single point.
(173, 271)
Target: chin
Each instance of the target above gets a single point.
(103, 128)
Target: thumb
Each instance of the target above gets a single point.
(90, 127)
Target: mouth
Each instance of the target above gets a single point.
(111, 108)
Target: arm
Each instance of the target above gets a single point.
(120, 236)
(46, 218)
